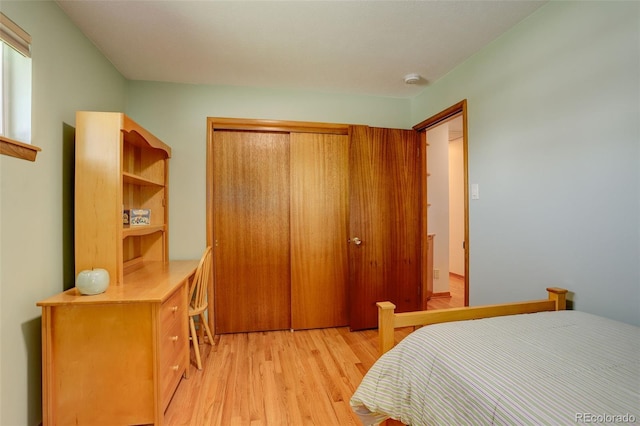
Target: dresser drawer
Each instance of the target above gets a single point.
(173, 359)
(174, 308)
(174, 344)
(173, 340)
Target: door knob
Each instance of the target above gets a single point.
(357, 241)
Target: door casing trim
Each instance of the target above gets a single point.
(422, 127)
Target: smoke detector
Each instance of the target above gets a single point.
(411, 78)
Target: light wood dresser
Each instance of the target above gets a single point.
(116, 358)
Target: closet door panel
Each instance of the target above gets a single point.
(319, 223)
(251, 231)
(385, 216)
(404, 280)
(368, 222)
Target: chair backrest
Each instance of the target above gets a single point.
(198, 296)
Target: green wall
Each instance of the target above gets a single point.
(554, 137)
(177, 113)
(553, 109)
(36, 221)
(554, 140)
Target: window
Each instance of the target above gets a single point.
(15, 91)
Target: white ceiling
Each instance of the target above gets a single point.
(358, 47)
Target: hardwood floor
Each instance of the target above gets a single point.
(278, 378)
(456, 300)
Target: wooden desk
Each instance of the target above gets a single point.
(117, 357)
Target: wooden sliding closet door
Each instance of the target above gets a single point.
(319, 222)
(312, 224)
(385, 219)
(251, 231)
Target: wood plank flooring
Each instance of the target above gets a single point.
(277, 378)
(456, 290)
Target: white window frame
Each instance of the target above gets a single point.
(14, 37)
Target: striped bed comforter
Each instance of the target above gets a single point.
(548, 368)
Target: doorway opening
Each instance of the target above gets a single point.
(446, 205)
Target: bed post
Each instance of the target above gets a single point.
(386, 326)
(558, 295)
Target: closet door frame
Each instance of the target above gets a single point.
(220, 124)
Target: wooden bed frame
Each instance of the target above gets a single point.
(388, 320)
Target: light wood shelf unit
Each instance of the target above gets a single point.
(119, 166)
(118, 357)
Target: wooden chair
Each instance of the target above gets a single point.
(198, 301)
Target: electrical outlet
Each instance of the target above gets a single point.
(436, 274)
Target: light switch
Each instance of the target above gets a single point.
(475, 191)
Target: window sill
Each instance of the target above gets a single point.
(17, 149)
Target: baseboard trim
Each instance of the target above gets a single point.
(454, 275)
(442, 294)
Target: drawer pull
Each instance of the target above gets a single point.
(174, 309)
(174, 338)
(175, 367)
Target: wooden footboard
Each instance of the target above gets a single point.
(388, 320)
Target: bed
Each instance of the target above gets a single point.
(529, 363)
